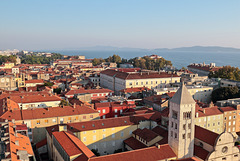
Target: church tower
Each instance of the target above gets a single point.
(181, 125)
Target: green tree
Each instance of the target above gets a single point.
(227, 72)
(225, 93)
(57, 90)
(49, 84)
(11, 58)
(64, 103)
(97, 61)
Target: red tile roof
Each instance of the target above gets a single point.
(136, 74)
(200, 152)
(46, 113)
(79, 91)
(145, 154)
(145, 134)
(111, 122)
(228, 108)
(162, 132)
(132, 90)
(209, 111)
(201, 133)
(71, 144)
(134, 143)
(23, 143)
(34, 81)
(188, 159)
(41, 143)
(35, 98)
(113, 104)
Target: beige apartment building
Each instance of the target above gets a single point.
(200, 93)
(37, 119)
(119, 79)
(8, 82)
(229, 118)
(107, 135)
(210, 118)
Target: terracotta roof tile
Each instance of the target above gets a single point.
(148, 154)
(71, 144)
(134, 143)
(200, 152)
(46, 112)
(201, 133)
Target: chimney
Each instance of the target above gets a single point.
(158, 146)
(74, 105)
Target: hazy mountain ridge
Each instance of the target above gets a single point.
(180, 49)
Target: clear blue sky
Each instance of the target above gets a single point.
(59, 24)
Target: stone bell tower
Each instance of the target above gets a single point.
(181, 126)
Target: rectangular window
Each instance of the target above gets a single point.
(174, 114)
(122, 134)
(76, 118)
(189, 126)
(115, 116)
(189, 135)
(171, 134)
(69, 118)
(104, 136)
(113, 143)
(104, 111)
(130, 83)
(91, 116)
(54, 120)
(38, 122)
(84, 139)
(84, 117)
(175, 126)
(46, 121)
(183, 136)
(94, 137)
(175, 135)
(115, 110)
(184, 127)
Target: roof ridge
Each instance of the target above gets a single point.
(66, 133)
